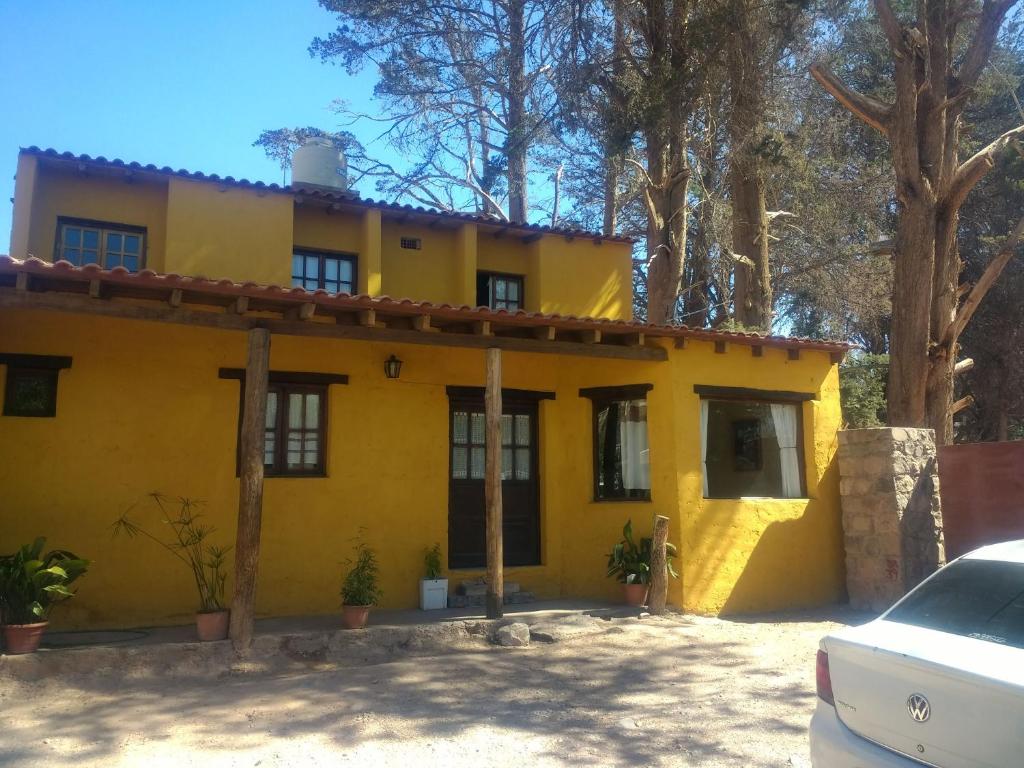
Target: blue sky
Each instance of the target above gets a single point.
(187, 84)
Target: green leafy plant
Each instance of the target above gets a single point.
(432, 562)
(188, 543)
(630, 561)
(360, 584)
(31, 583)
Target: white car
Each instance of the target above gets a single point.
(937, 680)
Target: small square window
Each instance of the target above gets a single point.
(412, 243)
(499, 291)
(332, 272)
(30, 392)
(109, 245)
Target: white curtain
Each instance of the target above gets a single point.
(784, 417)
(635, 455)
(705, 409)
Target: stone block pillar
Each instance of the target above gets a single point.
(892, 521)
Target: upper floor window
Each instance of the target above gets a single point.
(333, 272)
(751, 448)
(499, 291)
(622, 458)
(94, 242)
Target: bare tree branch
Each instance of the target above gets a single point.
(873, 112)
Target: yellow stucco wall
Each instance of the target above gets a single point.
(142, 409)
(221, 230)
(224, 231)
(141, 203)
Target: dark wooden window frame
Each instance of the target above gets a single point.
(19, 365)
(601, 397)
(520, 279)
(766, 396)
(113, 226)
(285, 383)
(322, 254)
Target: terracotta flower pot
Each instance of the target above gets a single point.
(23, 638)
(355, 616)
(636, 594)
(212, 625)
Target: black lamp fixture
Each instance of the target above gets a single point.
(392, 367)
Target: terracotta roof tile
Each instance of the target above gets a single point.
(146, 278)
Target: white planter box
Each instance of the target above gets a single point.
(433, 594)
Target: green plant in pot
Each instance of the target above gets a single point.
(359, 590)
(188, 541)
(31, 583)
(630, 562)
(433, 588)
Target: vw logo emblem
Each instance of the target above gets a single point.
(919, 708)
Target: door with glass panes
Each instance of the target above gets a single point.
(519, 484)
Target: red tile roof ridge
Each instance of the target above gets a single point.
(252, 289)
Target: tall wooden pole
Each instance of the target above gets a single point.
(659, 567)
(250, 488)
(492, 487)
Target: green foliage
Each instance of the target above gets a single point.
(188, 543)
(630, 562)
(31, 583)
(862, 390)
(432, 562)
(360, 585)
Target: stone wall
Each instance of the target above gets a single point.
(892, 521)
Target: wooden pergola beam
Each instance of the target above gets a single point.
(250, 488)
(492, 487)
(161, 312)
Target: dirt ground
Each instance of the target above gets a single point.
(678, 691)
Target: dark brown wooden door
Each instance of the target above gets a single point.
(520, 484)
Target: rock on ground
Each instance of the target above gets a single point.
(515, 635)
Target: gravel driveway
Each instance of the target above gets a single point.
(676, 691)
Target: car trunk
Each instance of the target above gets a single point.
(974, 690)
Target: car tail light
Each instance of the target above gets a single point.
(824, 679)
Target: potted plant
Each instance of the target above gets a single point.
(433, 589)
(31, 583)
(630, 563)
(359, 590)
(188, 543)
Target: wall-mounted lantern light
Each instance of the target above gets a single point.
(392, 367)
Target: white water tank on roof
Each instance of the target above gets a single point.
(320, 162)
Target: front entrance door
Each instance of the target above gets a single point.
(520, 486)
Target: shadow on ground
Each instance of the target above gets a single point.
(658, 692)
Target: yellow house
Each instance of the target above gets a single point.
(127, 305)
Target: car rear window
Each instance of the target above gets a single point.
(983, 599)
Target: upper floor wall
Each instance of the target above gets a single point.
(88, 210)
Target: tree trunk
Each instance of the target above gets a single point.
(518, 139)
(668, 167)
(250, 488)
(492, 487)
(616, 138)
(659, 567)
(753, 288)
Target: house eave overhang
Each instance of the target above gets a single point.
(199, 301)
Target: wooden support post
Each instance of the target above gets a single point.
(492, 487)
(659, 567)
(250, 488)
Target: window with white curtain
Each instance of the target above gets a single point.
(751, 448)
(622, 462)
